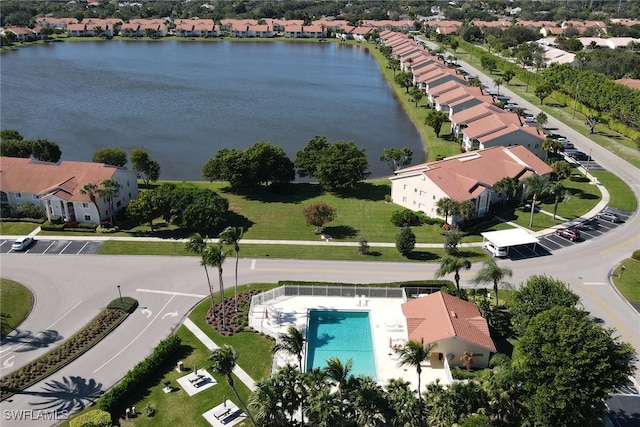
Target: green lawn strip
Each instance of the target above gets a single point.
(612, 141)
(620, 194)
(584, 197)
(57, 358)
(328, 252)
(628, 282)
(521, 217)
(16, 301)
(17, 228)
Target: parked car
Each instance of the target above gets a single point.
(568, 145)
(510, 106)
(529, 118)
(608, 216)
(568, 233)
(494, 250)
(22, 243)
(577, 155)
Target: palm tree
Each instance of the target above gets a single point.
(110, 189)
(508, 185)
(403, 405)
(551, 145)
(232, 236)
(453, 265)
(519, 111)
(338, 373)
(197, 245)
(223, 363)
(292, 342)
(90, 189)
(559, 192)
(414, 354)
(536, 186)
(467, 210)
(265, 402)
(369, 404)
(498, 82)
(445, 207)
(492, 273)
(214, 256)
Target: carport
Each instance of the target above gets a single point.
(509, 238)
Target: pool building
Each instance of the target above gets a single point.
(365, 324)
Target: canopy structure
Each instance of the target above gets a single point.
(508, 238)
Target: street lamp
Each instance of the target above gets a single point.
(119, 293)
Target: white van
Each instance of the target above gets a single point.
(494, 250)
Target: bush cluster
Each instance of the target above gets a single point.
(126, 304)
(55, 225)
(132, 381)
(107, 230)
(636, 255)
(409, 218)
(95, 418)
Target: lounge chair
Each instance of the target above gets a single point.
(222, 412)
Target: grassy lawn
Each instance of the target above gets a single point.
(584, 197)
(17, 228)
(621, 196)
(16, 302)
(629, 283)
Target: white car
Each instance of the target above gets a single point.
(22, 243)
(494, 250)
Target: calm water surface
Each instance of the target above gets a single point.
(183, 101)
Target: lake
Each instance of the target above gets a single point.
(183, 101)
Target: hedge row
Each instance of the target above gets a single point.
(95, 418)
(24, 219)
(118, 395)
(405, 284)
(79, 227)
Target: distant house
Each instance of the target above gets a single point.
(455, 326)
(22, 34)
(56, 187)
(468, 176)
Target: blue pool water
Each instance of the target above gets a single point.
(341, 334)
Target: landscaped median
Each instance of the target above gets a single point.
(105, 322)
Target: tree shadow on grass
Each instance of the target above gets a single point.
(341, 231)
(366, 191)
(373, 253)
(422, 256)
(282, 192)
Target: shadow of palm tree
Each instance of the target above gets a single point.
(69, 394)
(29, 342)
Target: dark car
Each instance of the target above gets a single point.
(568, 233)
(578, 155)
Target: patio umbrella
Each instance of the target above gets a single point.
(195, 369)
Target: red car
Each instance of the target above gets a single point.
(568, 233)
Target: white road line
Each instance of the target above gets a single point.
(49, 247)
(595, 283)
(82, 248)
(65, 248)
(181, 294)
(253, 264)
(51, 325)
(138, 336)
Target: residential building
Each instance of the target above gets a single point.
(56, 187)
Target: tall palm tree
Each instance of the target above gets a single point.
(198, 245)
(223, 363)
(292, 342)
(369, 404)
(214, 256)
(339, 374)
(498, 82)
(90, 189)
(445, 207)
(414, 354)
(232, 236)
(536, 186)
(519, 111)
(492, 273)
(265, 402)
(452, 264)
(467, 209)
(109, 190)
(403, 405)
(508, 185)
(559, 192)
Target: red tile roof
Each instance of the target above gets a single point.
(441, 316)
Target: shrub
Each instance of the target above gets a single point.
(95, 418)
(132, 381)
(126, 304)
(405, 218)
(459, 374)
(405, 241)
(106, 230)
(636, 255)
(149, 410)
(87, 226)
(51, 226)
(29, 210)
(425, 219)
(56, 220)
(71, 224)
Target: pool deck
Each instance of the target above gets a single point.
(388, 329)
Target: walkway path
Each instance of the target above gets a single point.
(238, 371)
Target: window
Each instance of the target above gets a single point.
(415, 190)
(423, 193)
(404, 199)
(85, 205)
(87, 217)
(536, 146)
(404, 187)
(18, 195)
(129, 195)
(434, 197)
(127, 183)
(119, 204)
(36, 197)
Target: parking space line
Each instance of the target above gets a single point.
(82, 248)
(63, 249)
(49, 247)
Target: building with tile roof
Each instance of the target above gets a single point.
(56, 187)
(455, 326)
(468, 176)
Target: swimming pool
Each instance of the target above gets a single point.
(341, 334)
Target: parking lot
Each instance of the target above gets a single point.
(55, 247)
(551, 242)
